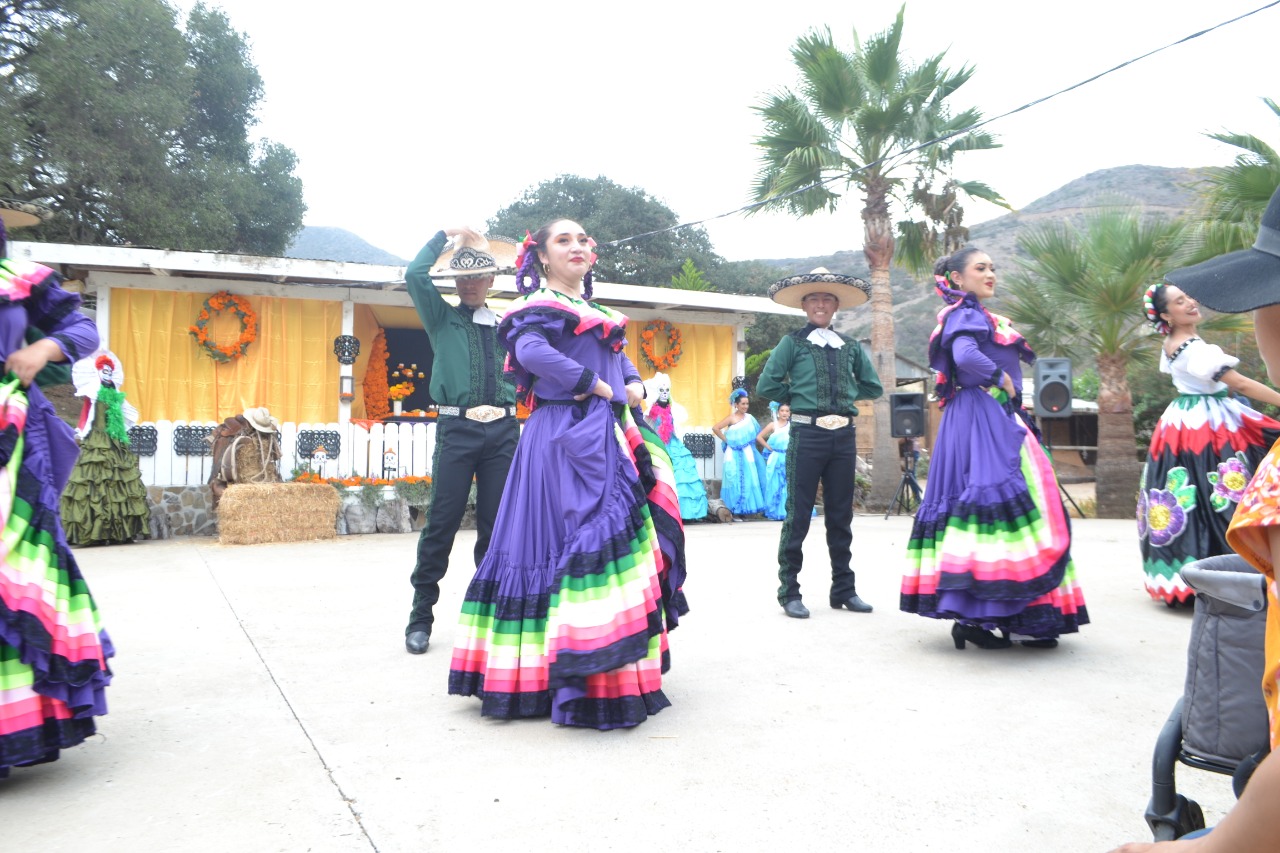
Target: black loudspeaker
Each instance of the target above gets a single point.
(906, 415)
(1053, 388)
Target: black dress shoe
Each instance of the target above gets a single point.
(1041, 643)
(962, 634)
(796, 609)
(857, 605)
(416, 642)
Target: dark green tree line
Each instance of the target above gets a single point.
(137, 132)
(610, 211)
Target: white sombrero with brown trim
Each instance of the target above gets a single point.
(22, 214)
(849, 291)
(470, 254)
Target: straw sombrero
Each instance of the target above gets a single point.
(1239, 281)
(848, 290)
(261, 420)
(22, 214)
(474, 255)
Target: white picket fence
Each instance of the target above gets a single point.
(181, 458)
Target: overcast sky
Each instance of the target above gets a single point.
(415, 116)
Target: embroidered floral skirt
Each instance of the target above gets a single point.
(1203, 453)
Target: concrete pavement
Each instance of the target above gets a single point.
(263, 701)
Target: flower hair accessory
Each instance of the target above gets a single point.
(1149, 304)
(736, 394)
(528, 244)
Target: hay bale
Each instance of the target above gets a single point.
(257, 460)
(250, 513)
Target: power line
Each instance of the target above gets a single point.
(941, 139)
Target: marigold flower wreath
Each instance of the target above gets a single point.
(216, 304)
(674, 344)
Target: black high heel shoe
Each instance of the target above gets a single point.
(1041, 643)
(980, 638)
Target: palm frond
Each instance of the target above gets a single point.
(1249, 143)
(977, 189)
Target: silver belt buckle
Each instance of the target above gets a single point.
(832, 421)
(484, 414)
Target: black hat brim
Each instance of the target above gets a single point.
(1233, 283)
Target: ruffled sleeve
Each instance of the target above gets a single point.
(1207, 361)
(966, 318)
(954, 347)
(50, 309)
(530, 337)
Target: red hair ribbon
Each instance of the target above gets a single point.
(528, 244)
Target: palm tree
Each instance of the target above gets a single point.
(859, 122)
(1078, 293)
(1234, 197)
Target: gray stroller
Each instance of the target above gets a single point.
(1220, 722)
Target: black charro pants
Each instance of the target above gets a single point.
(830, 457)
(464, 449)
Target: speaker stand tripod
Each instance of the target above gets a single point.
(908, 487)
(1048, 446)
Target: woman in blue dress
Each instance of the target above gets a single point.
(776, 437)
(665, 415)
(742, 481)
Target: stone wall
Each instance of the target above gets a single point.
(187, 511)
(181, 511)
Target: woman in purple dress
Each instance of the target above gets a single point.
(568, 613)
(991, 543)
(53, 651)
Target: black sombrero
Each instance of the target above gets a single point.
(1239, 281)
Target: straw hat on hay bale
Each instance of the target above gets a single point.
(253, 513)
(246, 449)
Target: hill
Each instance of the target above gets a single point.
(319, 243)
(1155, 190)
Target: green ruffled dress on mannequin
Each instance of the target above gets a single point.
(105, 501)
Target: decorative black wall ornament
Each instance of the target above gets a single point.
(143, 440)
(192, 440)
(310, 442)
(701, 445)
(346, 348)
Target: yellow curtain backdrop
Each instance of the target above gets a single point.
(703, 377)
(290, 368)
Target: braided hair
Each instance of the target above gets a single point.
(1155, 301)
(527, 278)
